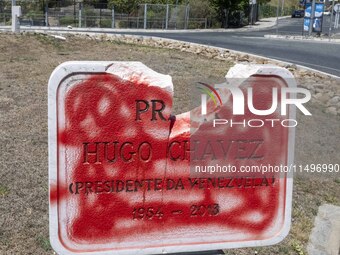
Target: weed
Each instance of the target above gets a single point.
(48, 40)
(331, 199)
(44, 243)
(3, 190)
(283, 250)
(298, 248)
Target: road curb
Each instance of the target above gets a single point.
(302, 38)
(325, 236)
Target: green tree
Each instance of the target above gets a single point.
(128, 6)
(224, 8)
(263, 1)
(201, 9)
(228, 4)
(123, 6)
(166, 1)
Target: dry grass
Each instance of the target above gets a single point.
(26, 62)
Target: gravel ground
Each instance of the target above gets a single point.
(26, 62)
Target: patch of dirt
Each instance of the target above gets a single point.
(26, 62)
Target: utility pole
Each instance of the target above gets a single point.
(312, 15)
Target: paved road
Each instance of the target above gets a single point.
(322, 56)
(294, 26)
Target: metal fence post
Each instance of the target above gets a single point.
(46, 13)
(100, 16)
(80, 14)
(74, 13)
(167, 17)
(176, 10)
(277, 17)
(187, 9)
(145, 15)
(330, 22)
(113, 17)
(251, 13)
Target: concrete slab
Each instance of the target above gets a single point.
(325, 236)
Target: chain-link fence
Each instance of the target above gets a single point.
(77, 14)
(80, 16)
(167, 16)
(5, 13)
(33, 12)
(267, 11)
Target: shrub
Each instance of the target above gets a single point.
(106, 23)
(67, 21)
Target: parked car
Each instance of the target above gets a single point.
(298, 14)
